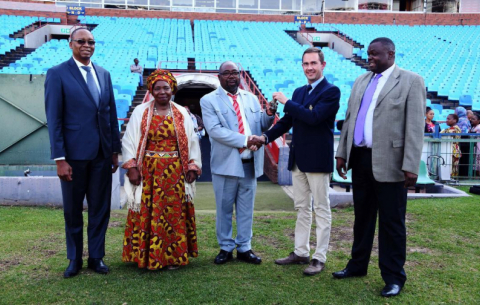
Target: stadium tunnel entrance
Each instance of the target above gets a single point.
(191, 88)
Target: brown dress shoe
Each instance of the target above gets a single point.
(315, 267)
(291, 259)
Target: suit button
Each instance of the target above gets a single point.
(98, 113)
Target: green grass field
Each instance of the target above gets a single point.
(443, 260)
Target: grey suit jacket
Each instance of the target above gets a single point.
(221, 124)
(398, 124)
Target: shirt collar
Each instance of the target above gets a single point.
(79, 64)
(317, 82)
(386, 73)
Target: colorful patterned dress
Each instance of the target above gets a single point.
(456, 152)
(163, 233)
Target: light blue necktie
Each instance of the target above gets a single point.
(362, 113)
(92, 86)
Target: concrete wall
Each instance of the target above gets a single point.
(43, 191)
(334, 42)
(37, 38)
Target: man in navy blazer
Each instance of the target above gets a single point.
(311, 112)
(85, 141)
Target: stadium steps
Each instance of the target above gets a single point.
(137, 100)
(14, 55)
(360, 62)
(432, 95)
(349, 40)
(29, 28)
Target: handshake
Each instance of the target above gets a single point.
(255, 142)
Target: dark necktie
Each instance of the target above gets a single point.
(309, 87)
(92, 86)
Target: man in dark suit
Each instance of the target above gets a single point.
(84, 138)
(382, 141)
(311, 112)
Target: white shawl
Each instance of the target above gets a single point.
(131, 141)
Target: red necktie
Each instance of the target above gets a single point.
(239, 117)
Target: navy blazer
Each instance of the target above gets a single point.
(312, 117)
(78, 129)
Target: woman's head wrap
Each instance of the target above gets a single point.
(164, 75)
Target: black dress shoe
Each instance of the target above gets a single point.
(97, 265)
(345, 273)
(73, 268)
(249, 257)
(391, 290)
(223, 257)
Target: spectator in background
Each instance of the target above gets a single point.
(137, 68)
(463, 121)
(195, 124)
(201, 126)
(452, 120)
(475, 120)
(469, 114)
(429, 122)
(464, 125)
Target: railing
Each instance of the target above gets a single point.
(446, 164)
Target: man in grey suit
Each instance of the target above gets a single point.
(231, 116)
(381, 141)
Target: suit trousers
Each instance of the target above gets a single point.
(231, 190)
(306, 185)
(93, 179)
(390, 200)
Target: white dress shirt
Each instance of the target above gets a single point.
(247, 153)
(84, 74)
(368, 129)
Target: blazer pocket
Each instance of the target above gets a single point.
(72, 126)
(398, 143)
(256, 114)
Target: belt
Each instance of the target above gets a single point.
(247, 160)
(362, 148)
(161, 154)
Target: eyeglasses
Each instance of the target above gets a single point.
(82, 42)
(227, 74)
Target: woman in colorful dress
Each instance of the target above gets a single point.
(475, 122)
(452, 120)
(429, 122)
(162, 155)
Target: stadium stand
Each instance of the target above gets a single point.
(448, 59)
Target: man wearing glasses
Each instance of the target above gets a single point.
(85, 141)
(311, 112)
(231, 117)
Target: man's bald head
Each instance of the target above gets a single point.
(230, 64)
(72, 34)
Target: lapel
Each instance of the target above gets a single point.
(224, 98)
(245, 104)
(101, 81)
(81, 81)
(389, 85)
(303, 96)
(318, 89)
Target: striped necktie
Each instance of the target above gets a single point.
(236, 107)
